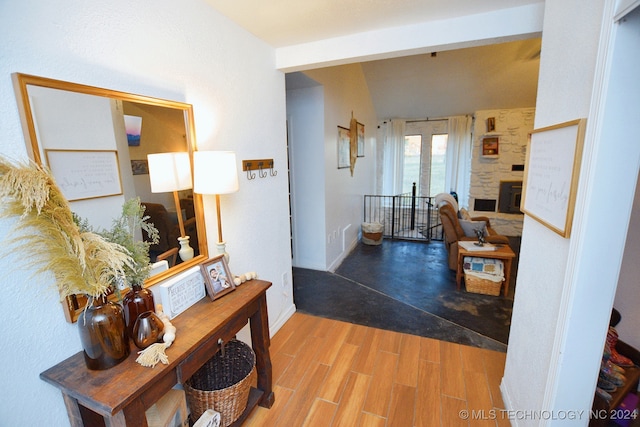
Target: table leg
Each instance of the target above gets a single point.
(260, 339)
(507, 275)
(459, 270)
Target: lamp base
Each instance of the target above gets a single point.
(186, 251)
(222, 249)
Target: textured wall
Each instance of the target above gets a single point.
(511, 127)
(182, 51)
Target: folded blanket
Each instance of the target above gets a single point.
(486, 268)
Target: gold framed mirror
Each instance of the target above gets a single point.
(84, 125)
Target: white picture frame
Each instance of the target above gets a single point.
(181, 291)
(552, 169)
(85, 174)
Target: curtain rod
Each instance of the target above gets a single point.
(426, 119)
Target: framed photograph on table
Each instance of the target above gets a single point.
(344, 148)
(217, 277)
(551, 174)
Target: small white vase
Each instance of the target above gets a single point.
(222, 249)
(185, 251)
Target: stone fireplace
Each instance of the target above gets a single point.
(495, 189)
(510, 196)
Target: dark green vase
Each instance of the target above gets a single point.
(103, 334)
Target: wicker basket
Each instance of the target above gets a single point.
(372, 233)
(223, 383)
(479, 285)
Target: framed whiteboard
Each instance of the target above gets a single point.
(551, 174)
(85, 174)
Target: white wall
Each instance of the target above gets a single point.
(305, 119)
(569, 42)
(344, 92)
(174, 50)
(560, 317)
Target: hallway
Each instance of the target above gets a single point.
(406, 287)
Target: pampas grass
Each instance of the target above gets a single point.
(82, 262)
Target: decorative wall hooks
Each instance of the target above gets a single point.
(261, 165)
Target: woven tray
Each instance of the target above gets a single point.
(481, 286)
(223, 383)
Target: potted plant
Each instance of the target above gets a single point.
(81, 261)
(123, 232)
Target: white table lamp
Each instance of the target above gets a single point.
(215, 172)
(171, 172)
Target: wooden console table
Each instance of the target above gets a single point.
(120, 396)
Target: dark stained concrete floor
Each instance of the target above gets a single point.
(406, 287)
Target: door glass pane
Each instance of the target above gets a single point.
(438, 163)
(411, 174)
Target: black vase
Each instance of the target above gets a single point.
(137, 301)
(103, 334)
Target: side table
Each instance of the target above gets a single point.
(501, 252)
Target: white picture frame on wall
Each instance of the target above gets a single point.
(551, 175)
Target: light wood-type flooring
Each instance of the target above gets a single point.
(333, 373)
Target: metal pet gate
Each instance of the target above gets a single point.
(405, 216)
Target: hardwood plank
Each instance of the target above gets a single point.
(333, 340)
(353, 385)
(452, 380)
(323, 327)
(280, 363)
(267, 417)
(494, 366)
(301, 363)
(389, 341)
(285, 332)
(408, 364)
(427, 412)
(357, 334)
(370, 420)
(451, 412)
(350, 407)
(471, 358)
(379, 395)
(302, 400)
(478, 399)
(367, 355)
(430, 349)
(305, 325)
(402, 407)
(321, 414)
(339, 373)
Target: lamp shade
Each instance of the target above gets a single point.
(215, 172)
(169, 172)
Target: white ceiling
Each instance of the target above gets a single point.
(453, 82)
(289, 22)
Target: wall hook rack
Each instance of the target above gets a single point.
(261, 165)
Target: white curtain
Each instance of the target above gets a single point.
(393, 158)
(458, 167)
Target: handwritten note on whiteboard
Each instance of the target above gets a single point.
(551, 174)
(84, 174)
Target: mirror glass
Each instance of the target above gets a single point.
(96, 142)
